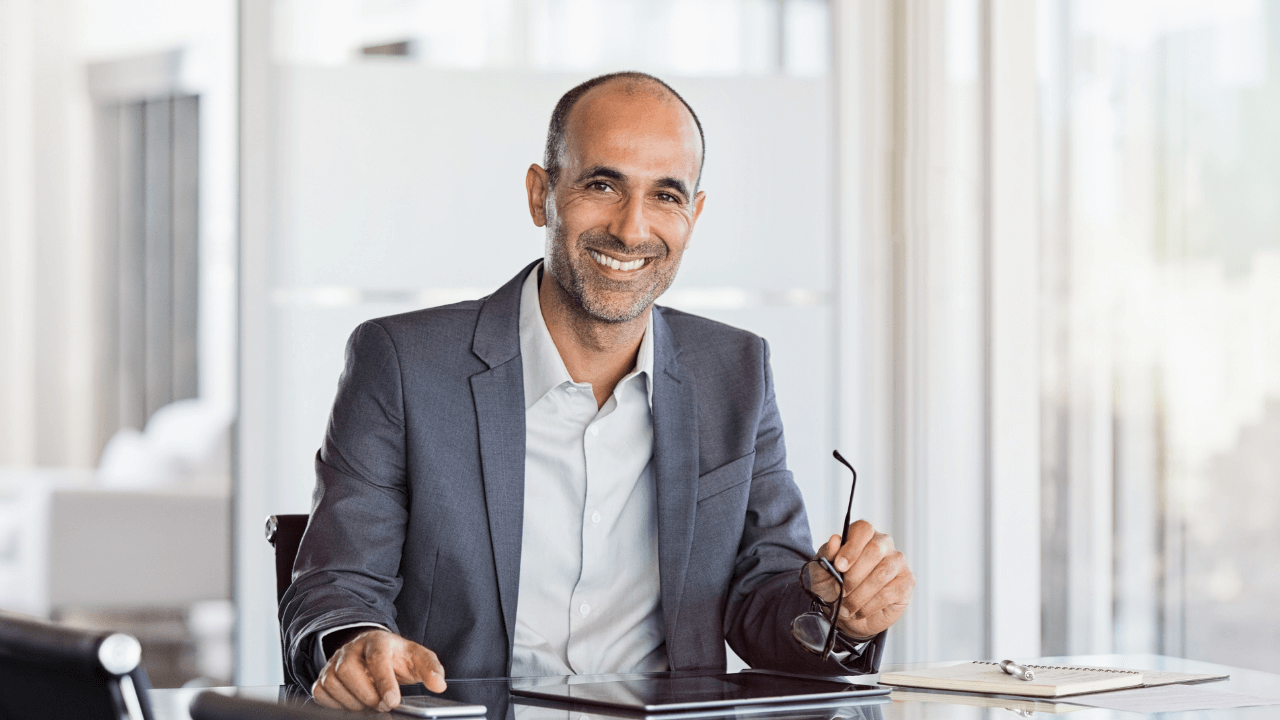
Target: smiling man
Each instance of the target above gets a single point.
(563, 478)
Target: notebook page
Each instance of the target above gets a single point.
(1005, 702)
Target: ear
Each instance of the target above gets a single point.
(698, 200)
(537, 184)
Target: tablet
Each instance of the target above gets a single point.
(698, 692)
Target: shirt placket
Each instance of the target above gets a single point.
(602, 474)
(580, 604)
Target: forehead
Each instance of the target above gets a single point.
(637, 130)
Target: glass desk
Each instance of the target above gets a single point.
(906, 704)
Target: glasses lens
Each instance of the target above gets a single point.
(810, 630)
(818, 581)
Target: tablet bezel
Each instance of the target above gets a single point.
(571, 692)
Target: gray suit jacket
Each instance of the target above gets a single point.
(419, 502)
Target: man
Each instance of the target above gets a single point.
(561, 478)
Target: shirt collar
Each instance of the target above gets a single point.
(544, 369)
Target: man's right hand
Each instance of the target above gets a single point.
(367, 672)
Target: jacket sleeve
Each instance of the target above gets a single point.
(765, 595)
(348, 563)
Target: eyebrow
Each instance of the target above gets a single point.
(601, 171)
(674, 184)
(604, 171)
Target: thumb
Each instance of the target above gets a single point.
(831, 547)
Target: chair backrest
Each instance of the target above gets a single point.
(284, 532)
(48, 670)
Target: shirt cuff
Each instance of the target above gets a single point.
(321, 660)
(853, 648)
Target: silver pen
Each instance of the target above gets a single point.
(1016, 670)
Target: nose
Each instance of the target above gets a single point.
(629, 223)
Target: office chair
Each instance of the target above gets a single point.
(51, 671)
(284, 532)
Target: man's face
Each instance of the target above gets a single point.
(623, 207)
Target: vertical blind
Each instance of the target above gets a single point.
(147, 265)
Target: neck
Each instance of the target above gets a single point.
(594, 351)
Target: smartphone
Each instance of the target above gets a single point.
(436, 707)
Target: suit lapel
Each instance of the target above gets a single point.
(675, 463)
(499, 397)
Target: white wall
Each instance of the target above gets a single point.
(43, 313)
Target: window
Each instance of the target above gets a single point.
(1161, 344)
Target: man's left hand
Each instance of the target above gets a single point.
(877, 581)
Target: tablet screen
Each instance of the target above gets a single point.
(684, 692)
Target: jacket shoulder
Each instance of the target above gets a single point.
(430, 340)
(698, 335)
(433, 321)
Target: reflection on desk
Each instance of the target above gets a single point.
(493, 693)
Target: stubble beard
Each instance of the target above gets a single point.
(586, 291)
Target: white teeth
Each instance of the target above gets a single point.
(615, 264)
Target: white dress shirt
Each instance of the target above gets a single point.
(589, 598)
(589, 590)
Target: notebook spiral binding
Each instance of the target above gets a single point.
(1065, 667)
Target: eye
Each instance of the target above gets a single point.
(668, 197)
(600, 186)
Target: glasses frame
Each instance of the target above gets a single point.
(819, 608)
(828, 647)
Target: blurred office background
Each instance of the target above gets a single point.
(1019, 260)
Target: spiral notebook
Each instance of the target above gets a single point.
(1021, 706)
(1051, 680)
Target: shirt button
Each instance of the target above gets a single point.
(570, 388)
(595, 430)
(595, 518)
(585, 609)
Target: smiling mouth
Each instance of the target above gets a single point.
(609, 262)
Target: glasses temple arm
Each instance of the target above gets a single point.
(848, 513)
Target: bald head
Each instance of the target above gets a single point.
(627, 83)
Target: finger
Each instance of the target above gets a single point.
(874, 580)
(894, 597)
(875, 550)
(349, 667)
(425, 667)
(860, 533)
(333, 685)
(322, 696)
(876, 622)
(378, 662)
(856, 601)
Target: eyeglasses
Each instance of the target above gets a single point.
(814, 630)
